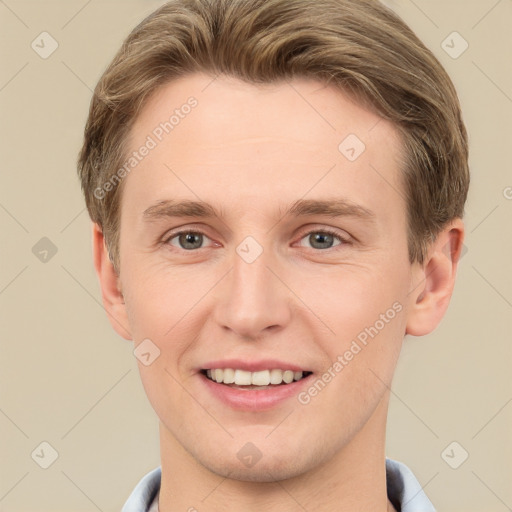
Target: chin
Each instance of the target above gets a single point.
(267, 469)
(260, 473)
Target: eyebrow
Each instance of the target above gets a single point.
(301, 208)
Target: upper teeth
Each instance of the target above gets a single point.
(245, 378)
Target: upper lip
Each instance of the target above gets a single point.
(252, 366)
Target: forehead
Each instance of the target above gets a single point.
(229, 142)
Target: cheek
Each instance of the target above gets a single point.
(170, 310)
(158, 299)
(359, 323)
(349, 300)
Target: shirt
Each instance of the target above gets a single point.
(404, 491)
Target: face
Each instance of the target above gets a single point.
(298, 263)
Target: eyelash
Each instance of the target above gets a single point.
(323, 231)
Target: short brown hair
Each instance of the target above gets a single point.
(360, 46)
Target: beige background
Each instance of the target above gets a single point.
(67, 379)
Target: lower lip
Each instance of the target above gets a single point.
(254, 399)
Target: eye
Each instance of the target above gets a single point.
(324, 239)
(187, 240)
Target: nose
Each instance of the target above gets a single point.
(253, 300)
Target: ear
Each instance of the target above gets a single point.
(110, 284)
(433, 281)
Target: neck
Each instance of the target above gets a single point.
(353, 480)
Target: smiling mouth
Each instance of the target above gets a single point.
(242, 379)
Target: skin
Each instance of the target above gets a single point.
(251, 152)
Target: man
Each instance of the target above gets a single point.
(276, 189)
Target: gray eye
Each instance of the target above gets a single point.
(321, 240)
(188, 240)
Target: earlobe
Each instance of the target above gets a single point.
(111, 292)
(434, 281)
